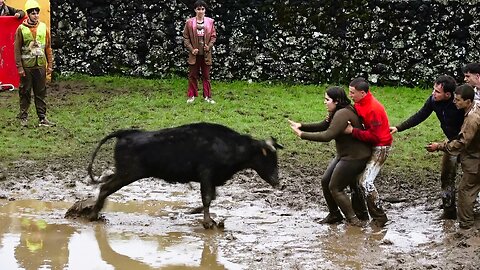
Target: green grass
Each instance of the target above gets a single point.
(88, 108)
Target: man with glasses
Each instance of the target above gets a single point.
(199, 35)
(34, 60)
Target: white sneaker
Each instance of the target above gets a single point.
(190, 99)
(210, 100)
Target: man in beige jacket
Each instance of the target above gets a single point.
(467, 146)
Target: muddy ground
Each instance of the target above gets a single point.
(264, 228)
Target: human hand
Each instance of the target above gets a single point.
(49, 71)
(297, 131)
(195, 51)
(294, 124)
(21, 73)
(393, 130)
(17, 15)
(206, 48)
(349, 128)
(432, 147)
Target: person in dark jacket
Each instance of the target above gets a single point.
(349, 162)
(451, 119)
(10, 11)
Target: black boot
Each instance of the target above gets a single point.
(332, 218)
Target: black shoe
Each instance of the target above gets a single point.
(448, 215)
(364, 217)
(332, 219)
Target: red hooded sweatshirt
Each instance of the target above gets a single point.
(375, 120)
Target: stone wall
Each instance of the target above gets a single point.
(388, 41)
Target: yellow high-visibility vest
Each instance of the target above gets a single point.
(33, 50)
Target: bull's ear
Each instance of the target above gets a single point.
(273, 145)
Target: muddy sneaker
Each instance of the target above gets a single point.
(24, 122)
(380, 221)
(210, 100)
(45, 123)
(190, 99)
(331, 219)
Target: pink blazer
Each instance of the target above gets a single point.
(191, 42)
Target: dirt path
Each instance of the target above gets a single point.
(264, 228)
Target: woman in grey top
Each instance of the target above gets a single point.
(345, 167)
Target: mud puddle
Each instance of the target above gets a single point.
(156, 233)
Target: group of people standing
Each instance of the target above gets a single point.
(363, 140)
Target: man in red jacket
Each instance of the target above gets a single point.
(377, 133)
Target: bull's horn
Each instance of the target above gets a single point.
(273, 145)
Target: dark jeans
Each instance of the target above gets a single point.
(447, 179)
(34, 79)
(340, 174)
(193, 75)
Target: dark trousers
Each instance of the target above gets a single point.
(340, 174)
(447, 178)
(34, 79)
(193, 76)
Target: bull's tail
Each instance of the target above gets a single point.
(116, 134)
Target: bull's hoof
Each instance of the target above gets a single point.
(213, 225)
(82, 209)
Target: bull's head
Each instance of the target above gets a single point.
(266, 165)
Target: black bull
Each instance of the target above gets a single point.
(203, 152)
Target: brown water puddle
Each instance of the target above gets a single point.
(157, 235)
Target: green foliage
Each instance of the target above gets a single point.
(88, 108)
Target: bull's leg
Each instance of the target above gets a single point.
(113, 184)
(208, 194)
